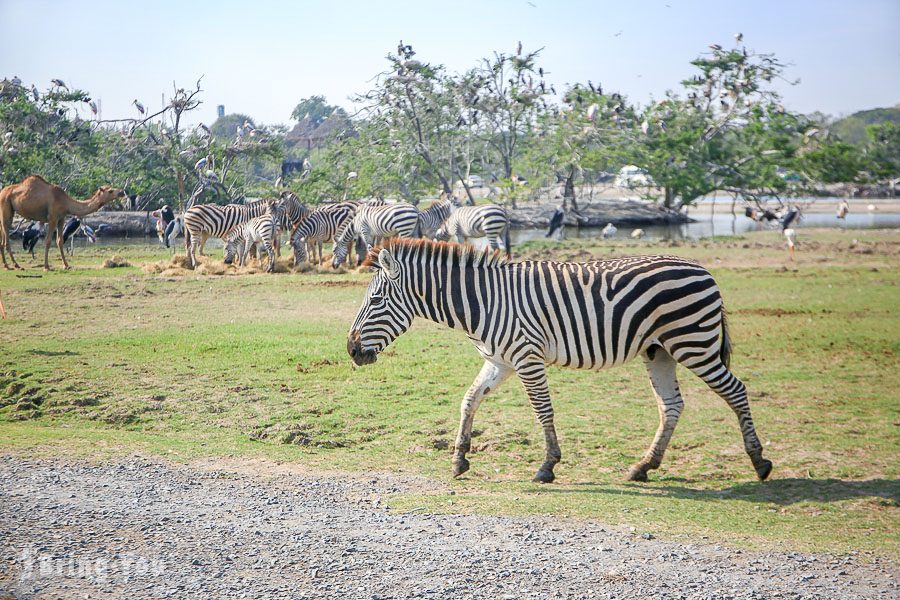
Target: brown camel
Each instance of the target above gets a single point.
(37, 200)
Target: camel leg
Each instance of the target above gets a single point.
(4, 242)
(5, 246)
(62, 246)
(52, 228)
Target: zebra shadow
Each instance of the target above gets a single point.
(783, 492)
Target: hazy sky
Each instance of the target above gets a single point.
(262, 57)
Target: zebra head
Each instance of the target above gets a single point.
(342, 242)
(298, 244)
(385, 312)
(231, 246)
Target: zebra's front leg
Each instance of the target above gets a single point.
(661, 368)
(534, 378)
(489, 379)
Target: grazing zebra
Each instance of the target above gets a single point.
(431, 219)
(321, 226)
(259, 230)
(374, 224)
(467, 222)
(203, 221)
(522, 316)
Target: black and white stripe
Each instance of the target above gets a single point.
(375, 224)
(203, 221)
(259, 231)
(467, 222)
(321, 226)
(524, 316)
(431, 219)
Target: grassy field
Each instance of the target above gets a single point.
(101, 362)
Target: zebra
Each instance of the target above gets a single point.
(203, 221)
(321, 226)
(374, 224)
(259, 230)
(523, 316)
(467, 222)
(431, 219)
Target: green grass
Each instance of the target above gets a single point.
(100, 363)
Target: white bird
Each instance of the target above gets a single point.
(352, 175)
(200, 163)
(592, 111)
(637, 234)
(93, 106)
(279, 182)
(608, 231)
(871, 208)
(16, 81)
(645, 127)
(790, 235)
(241, 132)
(34, 92)
(59, 83)
(139, 106)
(739, 37)
(7, 136)
(843, 209)
(211, 175)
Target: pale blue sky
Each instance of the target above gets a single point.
(262, 57)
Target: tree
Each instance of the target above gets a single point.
(832, 161)
(315, 109)
(883, 152)
(226, 127)
(729, 133)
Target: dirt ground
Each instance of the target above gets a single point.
(141, 528)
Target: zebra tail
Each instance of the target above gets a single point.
(725, 349)
(506, 242)
(187, 241)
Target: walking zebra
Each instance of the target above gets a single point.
(321, 226)
(431, 219)
(203, 221)
(524, 316)
(467, 222)
(374, 224)
(259, 230)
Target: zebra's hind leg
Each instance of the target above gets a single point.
(534, 378)
(732, 390)
(489, 379)
(661, 368)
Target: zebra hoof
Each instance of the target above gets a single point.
(637, 473)
(763, 468)
(544, 476)
(460, 466)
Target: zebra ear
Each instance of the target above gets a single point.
(387, 262)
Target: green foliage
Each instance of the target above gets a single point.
(226, 127)
(852, 129)
(833, 162)
(884, 150)
(315, 109)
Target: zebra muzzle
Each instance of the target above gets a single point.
(357, 353)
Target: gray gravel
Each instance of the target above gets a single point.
(146, 529)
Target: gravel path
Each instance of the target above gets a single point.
(145, 529)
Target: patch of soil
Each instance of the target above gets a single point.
(296, 434)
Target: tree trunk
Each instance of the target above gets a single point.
(670, 197)
(466, 187)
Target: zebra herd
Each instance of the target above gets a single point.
(521, 316)
(242, 226)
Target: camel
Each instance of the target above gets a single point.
(37, 200)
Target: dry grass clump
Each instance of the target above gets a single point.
(115, 262)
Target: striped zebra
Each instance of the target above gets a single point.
(259, 231)
(522, 316)
(322, 225)
(431, 219)
(468, 222)
(375, 224)
(203, 221)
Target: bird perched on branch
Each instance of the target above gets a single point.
(139, 106)
(59, 83)
(93, 106)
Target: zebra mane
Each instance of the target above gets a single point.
(466, 255)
